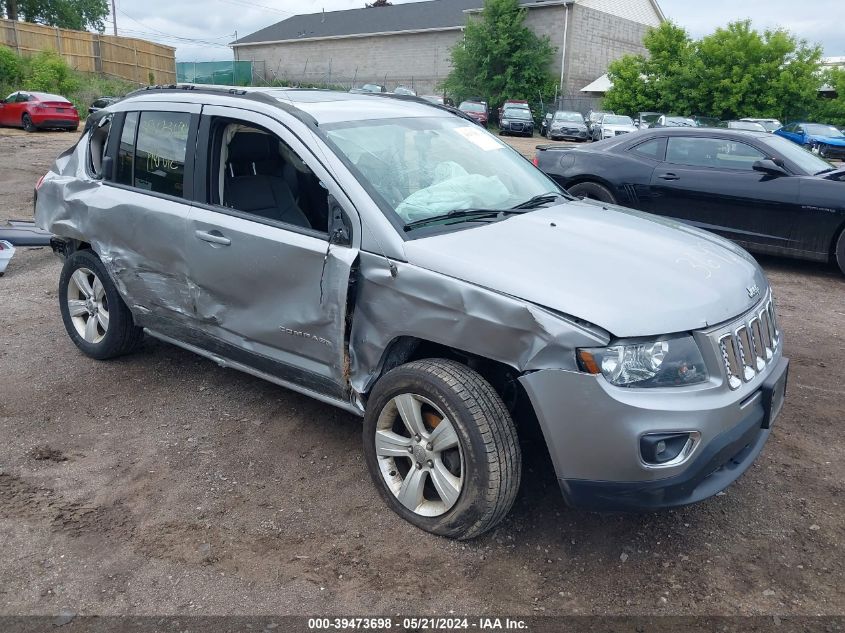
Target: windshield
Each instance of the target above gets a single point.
(807, 161)
(596, 116)
(517, 113)
(650, 117)
(680, 121)
(425, 167)
(613, 119)
(823, 130)
(771, 126)
(469, 106)
(569, 116)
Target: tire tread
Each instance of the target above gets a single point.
(497, 430)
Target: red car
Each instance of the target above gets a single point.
(38, 110)
(477, 110)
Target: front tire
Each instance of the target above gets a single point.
(441, 448)
(95, 316)
(840, 252)
(592, 191)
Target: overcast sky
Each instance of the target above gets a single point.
(200, 30)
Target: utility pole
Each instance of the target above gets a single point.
(114, 17)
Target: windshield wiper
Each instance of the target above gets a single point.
(825, 171)
(540, 200)
(458, 214)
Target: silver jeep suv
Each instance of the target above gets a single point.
(385, 255)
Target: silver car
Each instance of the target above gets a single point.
(395, 260)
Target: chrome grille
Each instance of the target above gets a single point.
(750, 346)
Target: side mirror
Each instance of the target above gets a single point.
(2, 101)
(770, 166)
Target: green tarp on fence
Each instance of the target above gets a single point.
(220, 73)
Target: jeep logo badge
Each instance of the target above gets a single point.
(753, 291)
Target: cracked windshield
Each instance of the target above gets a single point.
(428, 167)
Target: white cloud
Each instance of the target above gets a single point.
(200, 30)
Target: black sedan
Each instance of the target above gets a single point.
(758, 189)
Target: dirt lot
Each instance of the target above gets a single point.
(160, 483)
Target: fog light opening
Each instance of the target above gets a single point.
(662, 450)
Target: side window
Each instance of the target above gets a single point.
(11, 98)
(255, 172)
(22, 97)
(651, 148)
(710, 152)
(126, 151)
(799, 129)
(160, 150)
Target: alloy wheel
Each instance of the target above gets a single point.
(88, 305)
(419, 455)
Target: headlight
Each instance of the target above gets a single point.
(669, 362)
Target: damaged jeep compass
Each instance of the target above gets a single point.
(385, 255)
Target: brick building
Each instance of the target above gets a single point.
(409, 44)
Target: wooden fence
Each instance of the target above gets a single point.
(126, 57)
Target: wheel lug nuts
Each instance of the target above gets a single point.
(430, 464)
(419, 465)
(429, 446)
(410, 449)
(417, 437)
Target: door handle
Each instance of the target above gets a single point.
(213, 237)
(669, 176)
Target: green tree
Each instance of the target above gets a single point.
(832, 110)
(500, 58)
(11, 68)
(734, 72)
(50, 73)
(67, 14)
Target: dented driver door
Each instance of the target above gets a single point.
(267, 293)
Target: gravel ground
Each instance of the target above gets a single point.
(160, 483)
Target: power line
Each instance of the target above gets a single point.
(254, 5)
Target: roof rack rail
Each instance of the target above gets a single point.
(254, 95)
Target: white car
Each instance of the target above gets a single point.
(770, 125)
(612, 125)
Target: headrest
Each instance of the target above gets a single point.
(250, 147)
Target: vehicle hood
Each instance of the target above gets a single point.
(631, 273)
(828, 140)
(619, 128)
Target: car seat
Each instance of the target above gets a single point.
(267, 192)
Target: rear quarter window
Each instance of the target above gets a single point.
(152, 151)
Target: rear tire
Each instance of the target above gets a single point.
(27, 123)
(840, 252)
(95, 316)
(592, 191)
(458, 487)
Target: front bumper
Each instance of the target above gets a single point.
(578, 135)
(593, 430)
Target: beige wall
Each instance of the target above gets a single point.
(420, 59)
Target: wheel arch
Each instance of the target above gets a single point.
(837, 236)
(503, 377)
